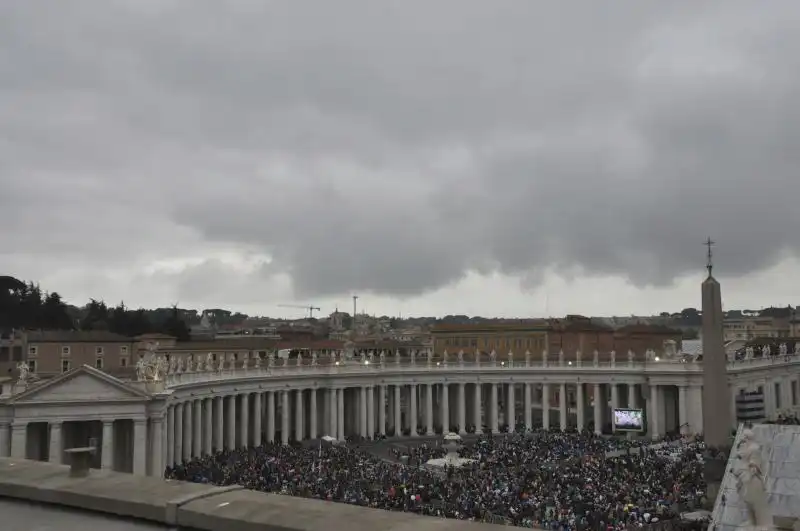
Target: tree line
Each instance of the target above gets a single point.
(25, 306)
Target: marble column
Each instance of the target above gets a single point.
(56, 450)
(546, 406)
(19, 440)
(683, 410)
(476, 413)
(178, 450)
(257, 415)
(219, 423)
(156, 438)
(581, 406)
(107, 450)
(598, 409)
(299, 416)
(370, 412)
(511, 414)
(334, 407)
(654, 412)
(444, 409)
(270, 416)
(140, 447)
(412, 414)
(398, 416)
(285, 417)
(312, 412)
(170, 435)
(244, 417)
(429, 410)
(493, 406)
(562, 399)
(231, 430)
(382, 410)
(527, 404)
(340, 414)
(632, 396)
(614, 402)
(5, 439)
(188, 430)
(462, 408)
(197, 438)
(362, 416)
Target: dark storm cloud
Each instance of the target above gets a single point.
(392, 146)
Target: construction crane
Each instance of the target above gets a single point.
(310, 309)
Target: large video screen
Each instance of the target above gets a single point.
(629, 419)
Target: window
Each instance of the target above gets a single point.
(98, 351)
(123, 350)
(65, 364)
(98, 363)
(123, 361)
(32, 365)
(33, 351)
(65, 351)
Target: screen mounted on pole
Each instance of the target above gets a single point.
(629, 419)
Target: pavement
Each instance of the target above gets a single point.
(18, 515)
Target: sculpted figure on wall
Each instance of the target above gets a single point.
(595, 358)
(560, 357)
(750, 482)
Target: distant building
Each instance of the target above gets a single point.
(756, 327)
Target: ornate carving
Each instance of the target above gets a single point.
(151, 367)
(750, 482)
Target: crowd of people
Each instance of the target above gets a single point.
(549, 480)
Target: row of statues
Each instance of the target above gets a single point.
(766, 351)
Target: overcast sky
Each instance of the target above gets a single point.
(503, 157)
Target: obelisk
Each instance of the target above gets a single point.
(716, 394)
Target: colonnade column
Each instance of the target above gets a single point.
(444, 407)
(631, 396)
(219, 423)
(546, 406)
(429, 410)
(598, 411)
(683, 410)
(285, 417)
(257, 412)
(614, 402)
(528, 406)
(654, 411)
(170, 435)
(462, 408)
(270, 416)
(299, 431)
(340, 414)
(511, 418)
(140, 447)
(382, 410)
(188, 432)
(107, 452)
(230, 443)
(156, 439)
(333, 404)
(581, 403)
(177, 452)
(412, 417)
(55, 451)
(476, 413)
(197, 437)
(562, 399)
(495, 413)
(362, 418)
(244, 417)
(370, 412)
(398, 416)
(312, 412)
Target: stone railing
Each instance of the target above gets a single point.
(305, 367)
(195, 506)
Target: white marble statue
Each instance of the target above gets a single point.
(527, 358)
(429, 353)
(363, 358)
(371, 357)
(749, 353)
(797, 348)
(382, 357)
(299, 360)
(258, 361)
(460, 357)
(160, 368)
(613, 356)
(749, 474)
(221, 363)
(444, 357)
(493, 357)
(314, 358)
(510, 358)
(271, 360)
(544, 358)
(783, 349)
(413, 357)
(560, 357)
(210, 362)
(595, 358)
(179, 367)
(630, 356)
(24, 372)
(766, 352)
(670, 348)
(190, 364)
(397, 356)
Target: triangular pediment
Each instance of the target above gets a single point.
(82, 384)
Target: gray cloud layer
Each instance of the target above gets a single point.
(391, 146)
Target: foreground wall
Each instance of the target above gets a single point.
(195, 506)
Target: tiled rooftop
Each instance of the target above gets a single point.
(780, 447)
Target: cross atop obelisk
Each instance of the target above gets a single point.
(709, 243)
